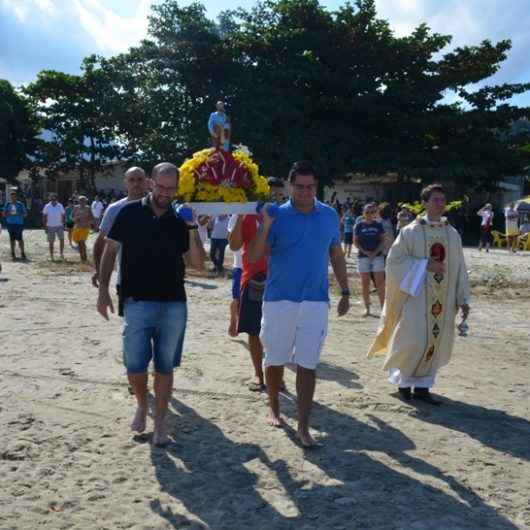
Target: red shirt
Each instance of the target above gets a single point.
(249, 231)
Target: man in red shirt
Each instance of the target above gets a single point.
(253, 283)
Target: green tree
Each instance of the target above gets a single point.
(18, 132)
(301, 81)
(75, 112)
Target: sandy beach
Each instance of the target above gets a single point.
(68, 459)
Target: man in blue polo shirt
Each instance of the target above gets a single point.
(301, 240)
(14, 213)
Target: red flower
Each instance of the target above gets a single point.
(222, 168)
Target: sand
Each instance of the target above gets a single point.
(68, 459)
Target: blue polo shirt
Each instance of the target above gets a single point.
(299, 253)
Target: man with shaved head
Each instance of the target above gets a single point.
(156, 244)
(136, 185)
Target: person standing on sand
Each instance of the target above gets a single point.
(83, 221)
(218, 243)
(155, 245)
(253, 278)
(97, 208)
(237, 270)
(14, 214)
(486, 213)
(68, 220)
(512, 227)
(370, 241)
(418, 324)
(53, 222)
(135, 183)
(348, 222)
(300, 240)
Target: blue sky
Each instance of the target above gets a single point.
(57, 34)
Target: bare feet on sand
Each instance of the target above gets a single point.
(160, 436)
(366, 313)
(273, 419)
(232, 329)
(306, 440)
(139, 421)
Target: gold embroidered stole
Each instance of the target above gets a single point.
(436, 247)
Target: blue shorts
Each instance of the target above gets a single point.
(153, 330)
(367, 265)
(15, 231)
(236, 283)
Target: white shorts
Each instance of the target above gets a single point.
(294, 333)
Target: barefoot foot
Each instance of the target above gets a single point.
(160, 436)
(273, 419)
(232, 329)
(306, 440)
(139, 420)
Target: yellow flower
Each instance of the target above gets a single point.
(190, 189)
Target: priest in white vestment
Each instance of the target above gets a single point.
(426, 285)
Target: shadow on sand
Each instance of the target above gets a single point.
(207, 473)
(492, 428)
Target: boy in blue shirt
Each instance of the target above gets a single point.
(301, 240)
(14, 214)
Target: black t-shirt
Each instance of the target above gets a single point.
(152, 265)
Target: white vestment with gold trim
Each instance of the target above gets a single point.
(416, 333)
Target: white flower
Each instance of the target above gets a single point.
(244, 149)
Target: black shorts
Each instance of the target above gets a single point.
(348, 238)
(69, 224)
(250, 306)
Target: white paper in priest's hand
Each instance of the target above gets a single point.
(415, 277)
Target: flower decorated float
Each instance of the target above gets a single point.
(218, 181)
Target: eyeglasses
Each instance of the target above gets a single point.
(301, 187)
(170, 190)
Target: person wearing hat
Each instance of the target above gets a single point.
(83, 222)
(486, 213)
(53, 215)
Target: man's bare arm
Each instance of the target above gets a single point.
(338, 264)
(235, 237)
(258, 246)
(107, 266)
(97, 251)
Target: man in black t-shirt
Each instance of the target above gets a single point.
(156, 244)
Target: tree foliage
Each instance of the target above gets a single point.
(18, 132)
(300, 81)
(77, 113)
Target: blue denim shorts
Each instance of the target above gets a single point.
(236, 283)
(153, 330)
(365, 264)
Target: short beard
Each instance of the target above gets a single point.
(158, 205)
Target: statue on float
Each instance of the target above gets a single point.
(219, 127)
(217, 180)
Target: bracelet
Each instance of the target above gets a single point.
(193, 227)
(345, 292)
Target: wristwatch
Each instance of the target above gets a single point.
(345, 292)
